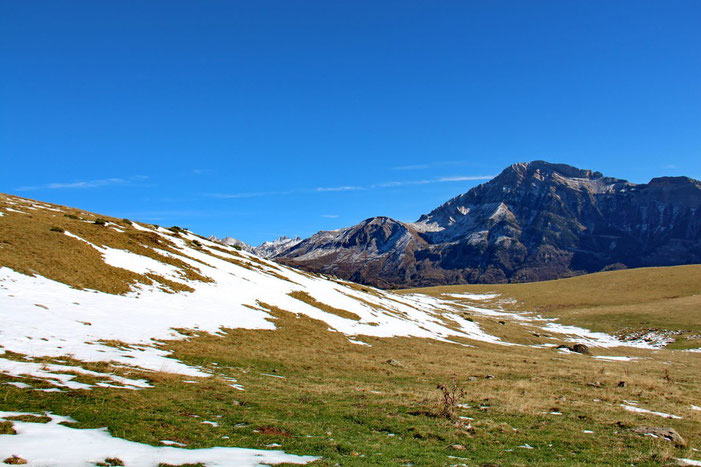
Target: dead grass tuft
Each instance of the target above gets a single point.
(6, 428)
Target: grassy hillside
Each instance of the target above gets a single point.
(616, 301)
(312, 388)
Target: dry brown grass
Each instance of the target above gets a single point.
(309, 300)
(614, 302)
(29, 245)
(6, 428)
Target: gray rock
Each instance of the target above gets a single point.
(667, 433)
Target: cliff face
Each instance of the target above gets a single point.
(534, 221)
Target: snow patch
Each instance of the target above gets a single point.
(58, 445)
(631, 408)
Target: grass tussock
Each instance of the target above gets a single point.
(6, 428)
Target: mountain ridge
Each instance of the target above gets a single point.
(534, 221)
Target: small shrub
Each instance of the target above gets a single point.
(451, 394)
(237, 247)
(6, 428)
(197, 243)
(100, 221)
(15, 460)
(56, 229)
(176, 229)
(71, 216)
(111, 461)
(126, 221)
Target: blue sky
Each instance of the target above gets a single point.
(258, 119)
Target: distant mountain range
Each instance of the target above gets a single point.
(265, 249)
(534, 221)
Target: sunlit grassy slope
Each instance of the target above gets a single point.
(616, 301)
(373, 400)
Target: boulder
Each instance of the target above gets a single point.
(670, 434)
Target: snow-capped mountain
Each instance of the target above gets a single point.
(231, 241)
(269, 249)
(534, 221)
(277, 247)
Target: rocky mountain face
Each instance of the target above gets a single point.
(276, 247)
(534, 221)
(265, 249)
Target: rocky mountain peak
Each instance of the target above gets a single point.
(536, 220)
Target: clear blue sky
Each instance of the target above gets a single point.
(257, 119)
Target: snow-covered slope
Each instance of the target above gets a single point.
(232, 289)
(174, 281)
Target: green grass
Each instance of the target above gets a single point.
(343, 402)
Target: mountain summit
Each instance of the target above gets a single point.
(534, 221)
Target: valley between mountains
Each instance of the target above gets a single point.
(125, 343)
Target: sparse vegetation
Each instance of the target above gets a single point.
(451, 395)
(15, 460)
(57, 229)
(100, 221)
(30, 418)
(6, 428)
(110, 461)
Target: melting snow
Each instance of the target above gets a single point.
(58, 375)
(585, 336)
(168, 442)
(631, 408)
(683, 461)
(616, 358)
(473, 296)
(58, 445)
(147, 315)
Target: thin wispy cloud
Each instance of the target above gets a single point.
(247, 194)
(432, 165)
(342, 188)
(465, 179)
(83, 184)
(330, 216)
(412, 167)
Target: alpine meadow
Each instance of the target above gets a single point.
(461, 234)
